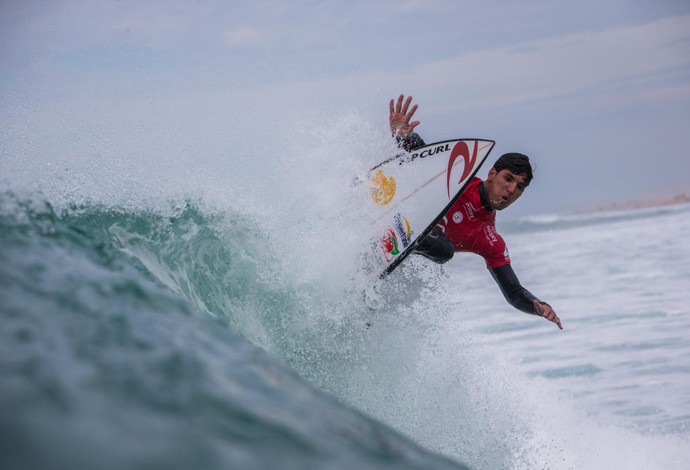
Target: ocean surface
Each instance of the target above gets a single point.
(167, 313)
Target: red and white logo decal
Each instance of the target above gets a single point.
(461, 149)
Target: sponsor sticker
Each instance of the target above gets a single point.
(390, 245)
(382, 188)
(461, 149)
(402, 225)
(427, 152)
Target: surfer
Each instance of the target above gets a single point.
(470, 223)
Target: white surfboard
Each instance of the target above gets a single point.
(411, 191)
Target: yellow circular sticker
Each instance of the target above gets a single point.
(382, 188)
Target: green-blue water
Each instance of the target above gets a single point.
(122, 347)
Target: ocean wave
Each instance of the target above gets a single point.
(127, 341)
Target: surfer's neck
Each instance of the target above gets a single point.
(484, 197)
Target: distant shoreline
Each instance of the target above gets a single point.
(643, 204)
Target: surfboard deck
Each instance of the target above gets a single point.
(411, 191)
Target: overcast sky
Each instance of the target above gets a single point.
(596, 91)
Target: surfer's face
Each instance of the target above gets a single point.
(504, 187)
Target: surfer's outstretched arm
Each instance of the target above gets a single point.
(521, 298)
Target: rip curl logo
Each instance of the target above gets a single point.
(491, 234)
(382, 188)
(390, 245)
(461, 149)
(404, 229)
(470, 210)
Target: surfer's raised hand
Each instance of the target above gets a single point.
(400, 115)
(547, 312)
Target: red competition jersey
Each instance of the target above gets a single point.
(472, 228)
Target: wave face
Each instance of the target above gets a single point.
(129, 340)
(209, 308)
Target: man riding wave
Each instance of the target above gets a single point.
(470, 223)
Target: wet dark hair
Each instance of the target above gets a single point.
(517, 163)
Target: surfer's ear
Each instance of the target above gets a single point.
(492, 173)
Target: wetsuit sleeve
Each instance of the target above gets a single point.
(410, 142)
(515, 294)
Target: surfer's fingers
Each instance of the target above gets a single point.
(551, 316)
(412, 111)
(398, 105)
(391, 106)
(407, 104)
